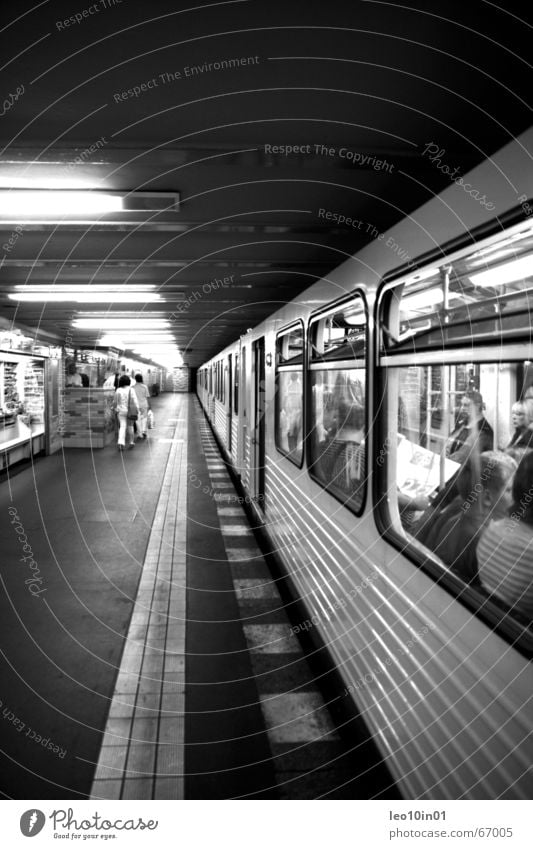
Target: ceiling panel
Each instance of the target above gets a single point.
(262, 117)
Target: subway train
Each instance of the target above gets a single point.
(337, 414)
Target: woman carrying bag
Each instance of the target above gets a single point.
(127, 409)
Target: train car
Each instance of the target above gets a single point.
(342, 415)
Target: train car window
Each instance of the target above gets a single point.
(243, 382)
(219, 381)
(236, 385)
(290, 346)
(337, 402)
(492, 287)
(289, 393)
(455, 451)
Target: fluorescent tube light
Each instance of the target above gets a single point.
(508, 272)
(85, 287)
(119, 323)
(53, 202)
(87, 297)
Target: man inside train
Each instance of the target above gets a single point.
(471, 429)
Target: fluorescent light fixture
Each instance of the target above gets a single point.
(508, 272)
(58, 202)
(85, 287)
(53, 202)
(114, 340)
(45, 184)
(501, 243)
(119, 323)
(418, 300)
(88, 297)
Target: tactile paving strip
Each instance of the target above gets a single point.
(142, 754)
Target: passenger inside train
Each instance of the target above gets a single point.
(471, 429)
(340, 437)
(522, 421)
(505, 549)
(490, 475)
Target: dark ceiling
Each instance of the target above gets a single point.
(375, 81)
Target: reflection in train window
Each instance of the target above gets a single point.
(462, 432)
(289, 393)
(456, 453)
(337, 403)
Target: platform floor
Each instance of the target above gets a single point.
(145, 649)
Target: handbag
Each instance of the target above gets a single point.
(132, 417)
(150, 418)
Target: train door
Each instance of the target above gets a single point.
(229, 401)
(258, 440)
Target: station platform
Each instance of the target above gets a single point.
(146, 651)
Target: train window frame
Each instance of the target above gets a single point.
(236, 383)
(289, 366)
(507, 350)
(330, 363)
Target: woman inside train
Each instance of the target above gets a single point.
(522, 421)
(505, 549)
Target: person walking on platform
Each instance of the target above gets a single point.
(142, 395)
(126, 406)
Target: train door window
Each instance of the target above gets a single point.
(455, 452)
(219, 381)
(337, 402)
(243, 382)
(236, 386)
(289, 393)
